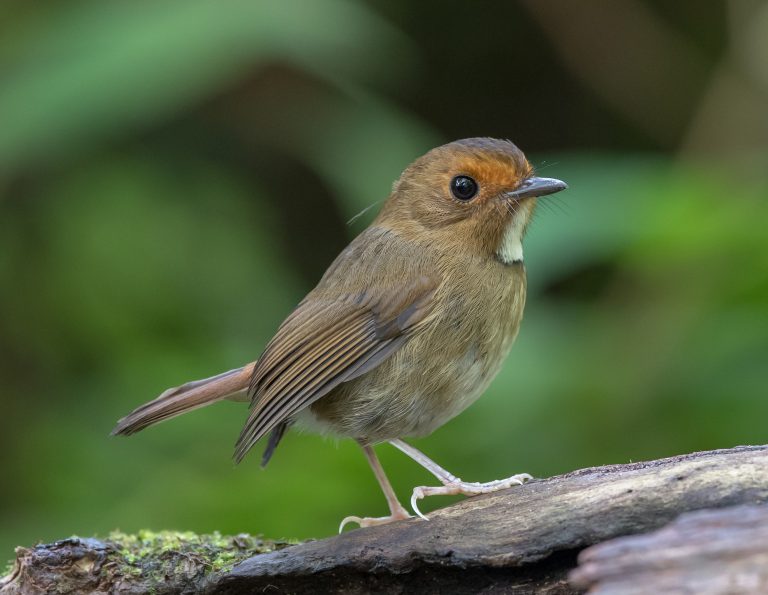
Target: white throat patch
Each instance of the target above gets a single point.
(511, 248)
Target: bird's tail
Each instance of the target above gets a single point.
(192, 395)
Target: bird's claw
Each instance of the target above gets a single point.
(418, 494)
(373, 521)
(465, 488)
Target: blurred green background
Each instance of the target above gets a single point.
(175, 175)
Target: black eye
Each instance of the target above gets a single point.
(463, 187)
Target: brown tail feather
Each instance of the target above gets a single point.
(186, 397)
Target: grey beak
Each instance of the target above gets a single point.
(534, 186)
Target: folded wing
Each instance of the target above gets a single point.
(325, 342)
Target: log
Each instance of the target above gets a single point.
(705, 552)
(522, 540)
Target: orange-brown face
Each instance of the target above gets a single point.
(479, 192)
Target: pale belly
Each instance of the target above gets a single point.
(415, 406)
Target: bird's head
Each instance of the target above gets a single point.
(473, 194)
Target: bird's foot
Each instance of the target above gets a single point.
(397, 515)
(464, 487)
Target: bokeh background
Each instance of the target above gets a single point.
(175, 175)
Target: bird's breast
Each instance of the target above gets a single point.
(442, 369)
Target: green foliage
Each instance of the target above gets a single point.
(92, 70)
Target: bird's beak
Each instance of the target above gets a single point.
(534, 186)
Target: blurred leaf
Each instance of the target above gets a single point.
(95, 69)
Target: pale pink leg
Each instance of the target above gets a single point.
(452, 485)
(397, 510)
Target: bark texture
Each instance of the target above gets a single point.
(703, 552)
(526, 539)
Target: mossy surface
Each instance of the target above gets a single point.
(166, 554)
(7, 568)
(145, 562)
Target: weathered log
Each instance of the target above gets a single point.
(705, 552)
(522, 540)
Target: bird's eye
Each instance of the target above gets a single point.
(463, 187)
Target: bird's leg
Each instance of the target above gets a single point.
(397, 510)
(451, 484)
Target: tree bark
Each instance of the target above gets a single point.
(522, 540)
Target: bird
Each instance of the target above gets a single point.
(406, 328)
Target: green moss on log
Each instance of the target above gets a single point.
(146, 562)
(167, 553)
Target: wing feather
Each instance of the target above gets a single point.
(325, 342)
(309, 371)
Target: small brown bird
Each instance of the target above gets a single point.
(407, 327)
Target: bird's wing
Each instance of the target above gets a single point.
(325, 342)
